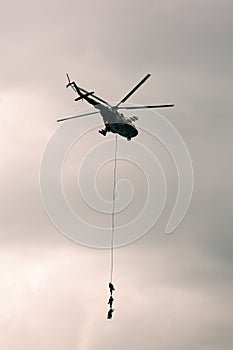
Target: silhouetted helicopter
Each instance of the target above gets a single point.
(114, 121)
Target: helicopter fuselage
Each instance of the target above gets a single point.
(116, 122)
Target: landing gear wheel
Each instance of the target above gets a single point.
(103, 132)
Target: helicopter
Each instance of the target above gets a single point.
(114, 121)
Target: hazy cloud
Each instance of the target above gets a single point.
(173, 292)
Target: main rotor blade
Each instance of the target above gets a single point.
(76, 116)
(134, 89)
(142, 107)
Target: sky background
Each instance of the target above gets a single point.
(173, 292)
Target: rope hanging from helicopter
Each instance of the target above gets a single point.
(113, 214)
(111, 286)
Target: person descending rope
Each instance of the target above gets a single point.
(111, 287)
(110, 301)
(109, 316)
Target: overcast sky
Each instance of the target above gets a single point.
(173, 292)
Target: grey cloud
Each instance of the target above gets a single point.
(172, 292)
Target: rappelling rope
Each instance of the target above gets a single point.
(113, 214)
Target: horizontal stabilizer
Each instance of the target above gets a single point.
(85, 95)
